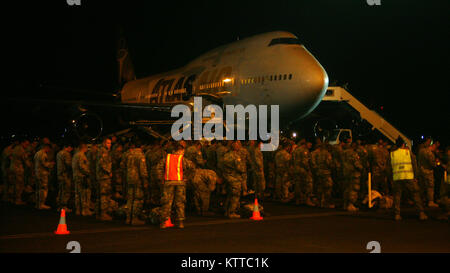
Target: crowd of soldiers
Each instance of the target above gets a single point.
(125, 174)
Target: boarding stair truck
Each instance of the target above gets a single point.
(339, 94)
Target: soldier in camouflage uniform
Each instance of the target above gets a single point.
(427, 163)
(269, 170)
(81, 173)
(30, 177)
(363, 156)
(123, 165)
(322, 164)
(377, 157)
(245, 159)
(52, 191)
(233, 172)
(6, 162)
(282, 167)
(174, 191)
(137, 184)
(64, 175)
(314, 154)
(19, 162)
(91, 155)
(151, 198)
(153, 157)
(104, 176)
(114, 142)
(257, 169)
(222, 149)
(303, 181)
(117, 178)
(445, 189)
(352, 168)
(386, 151)
(337, 176)
(42, 168)
(194, 153)
(211, 157)
(203, 183)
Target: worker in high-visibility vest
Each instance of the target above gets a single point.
(173, 171)
(445, 188)
(402, 166)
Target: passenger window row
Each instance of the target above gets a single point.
(251, 80)
(216, 84)
(261, 79)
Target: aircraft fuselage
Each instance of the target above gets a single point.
(266, 69)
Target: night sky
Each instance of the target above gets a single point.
(393, 56)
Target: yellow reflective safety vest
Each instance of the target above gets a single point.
(402, 168)
(174, 168)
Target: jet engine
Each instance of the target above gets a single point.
(88, 126)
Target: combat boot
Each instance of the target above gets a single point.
(352, 208)
(105, 217)
(309, 203)
(398, 217)
(431, 204)
(345, 205)
(423, 216)
(137, 222)
(180, 224)
(87, 213)
(43, 206)
(233, 215)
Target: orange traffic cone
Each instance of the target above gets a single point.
(62, 227)
(256, 215)
(169, 223)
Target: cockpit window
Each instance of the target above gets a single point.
(284, 41)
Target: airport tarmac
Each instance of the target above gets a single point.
(286, 229)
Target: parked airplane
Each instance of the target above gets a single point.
(268, 69)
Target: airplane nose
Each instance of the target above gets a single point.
(311, 84)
